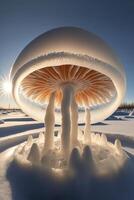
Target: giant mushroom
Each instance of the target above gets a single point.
(70, 67)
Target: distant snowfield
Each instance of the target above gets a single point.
(123, 127)
(15, 128)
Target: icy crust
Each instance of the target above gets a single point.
(99, 157)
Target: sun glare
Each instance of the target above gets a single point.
(5, 86)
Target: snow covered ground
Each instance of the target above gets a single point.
(16, 126)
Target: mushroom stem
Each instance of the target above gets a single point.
(49, 123)
(74, 122)
(67, 91)
(87, 131)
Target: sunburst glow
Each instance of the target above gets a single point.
(5, 86)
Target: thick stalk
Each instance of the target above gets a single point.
(74, 122)
(87, 131)
(49, 123)
(67, 91)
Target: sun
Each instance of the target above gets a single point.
(5, 86)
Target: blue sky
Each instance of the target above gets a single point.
(23, 20)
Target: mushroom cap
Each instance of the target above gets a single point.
(68, 55)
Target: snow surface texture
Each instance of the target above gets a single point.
(29, 181)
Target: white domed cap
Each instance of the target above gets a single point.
(67, 39)
(69, 46)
